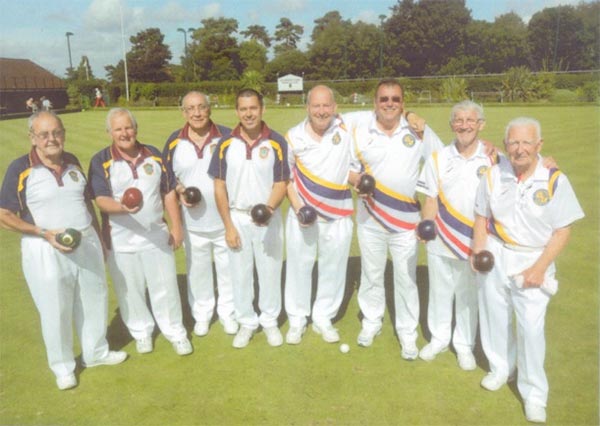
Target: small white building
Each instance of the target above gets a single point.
(287, 85)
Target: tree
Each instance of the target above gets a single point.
(253, 80)
(82, 72)
(116, 74)
(287, 34)
(556, 39)
(148, 60)
(215, 50)
(328, 51)
(257, 33)
(424, 36)
(253, 56)
(589, 13)
(291, 61)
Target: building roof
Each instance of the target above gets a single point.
(22, 74)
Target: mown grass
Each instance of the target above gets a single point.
(313, 383)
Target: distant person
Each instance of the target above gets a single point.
(43, 193)
(46, 104)
(140, 243)
(187, 155)
(99, 99)
(31, 105)
(524, 214)
(250, 167)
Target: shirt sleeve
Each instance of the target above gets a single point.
(428, 180)
(565, 206)
(9, 194)
(98, 182)
(431, 141)
(218, 163)
(482, 200)
(281, 168)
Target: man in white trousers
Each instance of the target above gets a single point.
(250, 167)
(524, 214)
(319, 159)
(141, 245)
(186, 156)
(386, 147)
(449, 180)
(43, 193)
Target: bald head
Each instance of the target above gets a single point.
(321, 108)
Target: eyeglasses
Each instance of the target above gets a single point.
(395, 99)
(56, 134)
(192, 108)
(468, 121)
(526, 144)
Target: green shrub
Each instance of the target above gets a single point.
(589, 92)
(563, 95)
(453, 89)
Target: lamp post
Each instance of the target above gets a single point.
(184, 41)
(124, 54)
(69, 34)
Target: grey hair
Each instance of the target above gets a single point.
(524, 122)
(467, 106)
(118, 111)
(329, 89)
(36, 115)
(195, 92)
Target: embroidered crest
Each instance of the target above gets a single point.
(263, 152)
(541, 197)
(481, 171)
(148, 169)
(74, 176)
(336, 138)
(409, 140)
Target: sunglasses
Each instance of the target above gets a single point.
(395, 99)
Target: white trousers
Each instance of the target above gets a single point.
(374, 245)
(152, 269)
(68, 289)
(499, 300)
(261, 246)
(201, 248)
(329, 243)
(452, 282)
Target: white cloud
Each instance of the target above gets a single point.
(367, 16)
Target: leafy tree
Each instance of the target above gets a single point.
(329, 48)
(116, 74)
(589, 13)
(253, 80)
(257, 33)
(291, 61)
(215, 50)
(253, 56)
(555, 39)
(82, 72)
(148, 60)
(454, 89)
(287, 34)
(423, 36)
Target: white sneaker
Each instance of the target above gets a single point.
(183, 347)
(366, 337)
(535, 413)
(327, 332)
(242, 338)
(112, 358)
(410, 352)
(274, 337)
(431, 350)
(230, 326)
(294, 335)
(144, 345)
(66, 382)
(493, 382)
(201, 328)
(466, 361)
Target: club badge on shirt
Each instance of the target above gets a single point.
(74, 176)
(336, 139)
(541, 197)
(408, 140)
(148, 169)
(481, 170)
(263, 152)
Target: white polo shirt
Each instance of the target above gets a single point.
(526, 213)
(110, 175)
(46, 198)
(188, 163)
(320, 169)
(394, 161)
(453, 180)
(250, 172)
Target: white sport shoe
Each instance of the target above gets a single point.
(466, 361)
(294, 335)
(183, 347)
(112, 358)
(535, 413)
(242, 338)
(366, 337)
(230, 326)
(144, 345)
(327, 332)
(410, 352)
(66, 382)
(274, 337)
(493, 382)
(431, 350)
(201, 328)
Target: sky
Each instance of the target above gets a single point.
(36, 29)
